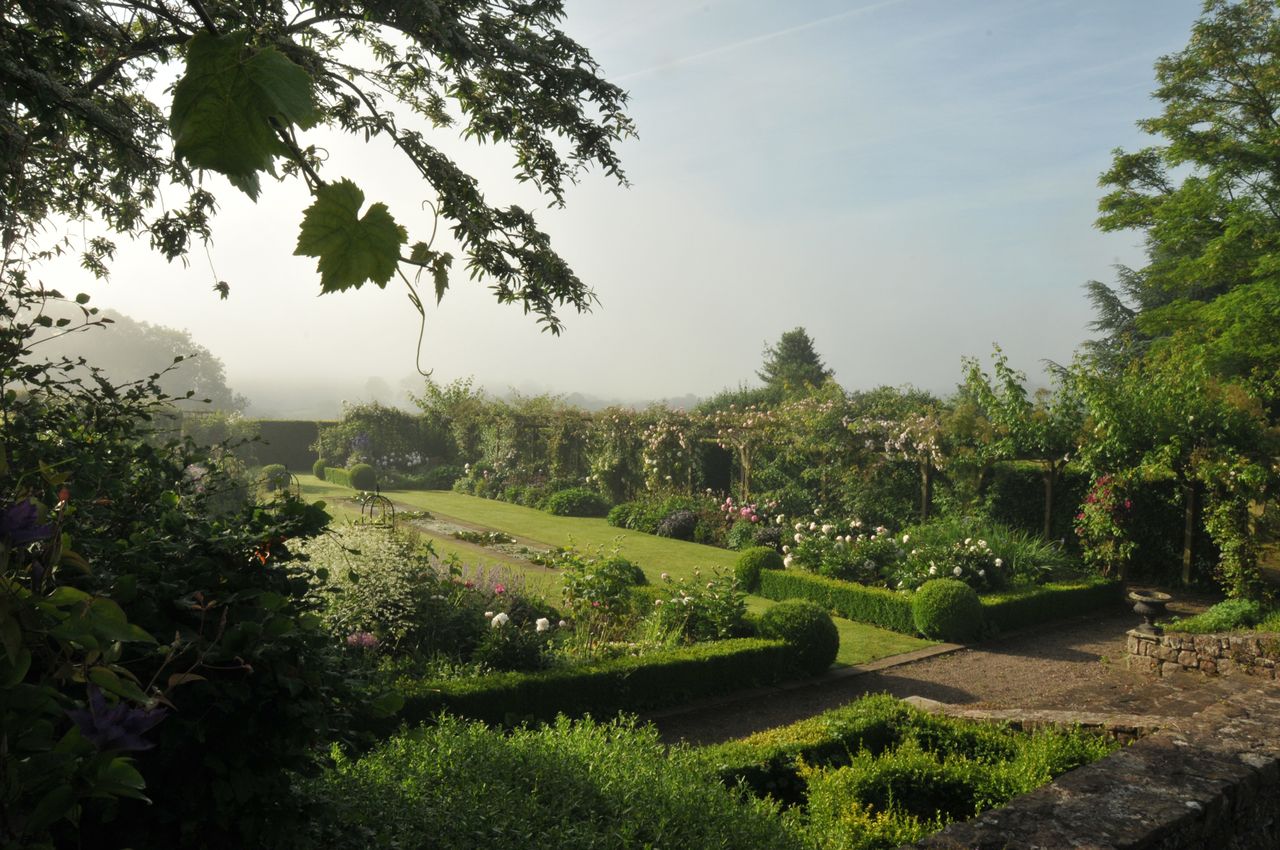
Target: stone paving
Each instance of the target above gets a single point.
(1078, 665)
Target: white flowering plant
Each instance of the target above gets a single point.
(970, 560)
(848, 551)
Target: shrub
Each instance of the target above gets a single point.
(337, 475)
(751, 562)
(947, 609)
(679, 525)
(969, 560)
(573, 785)
(363, 477)
(619, 515)
(275, 477)
(441, 477)
(695, 611)
(1028, 606)
(822, 547)
(808, 628)
(576, 501)
(1229, 616)
(317, 468)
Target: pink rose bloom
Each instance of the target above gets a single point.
(499, 588)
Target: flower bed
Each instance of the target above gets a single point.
(879, 773)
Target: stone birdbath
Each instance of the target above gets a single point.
(1150, 605)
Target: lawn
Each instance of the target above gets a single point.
(859, 642)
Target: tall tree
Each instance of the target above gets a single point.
(1206, 196)
(126, 349)
(792, 365)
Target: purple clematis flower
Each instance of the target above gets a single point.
(19, 524)
(115, 727)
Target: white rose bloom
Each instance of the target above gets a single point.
(799, 538)
(781, 519)
(999, 563)
(959, 572)
(813, 526)
(500, 619)
(906, 538)
(982, 573)
(542, 624)
(968, 541)
(817, 511)
(665, 576)
(799, 526)
(787, 561)
(827, 529)
(786, 549)
(563, 624)
(933, 571)
(488, 615)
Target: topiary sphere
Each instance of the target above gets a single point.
(808, 628)
(317, 468)
(751, 562)
(363, 477)
(947, 609)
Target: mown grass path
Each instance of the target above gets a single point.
(859, 643)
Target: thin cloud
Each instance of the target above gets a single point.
(759, 39)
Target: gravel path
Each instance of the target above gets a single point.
(1076, 665)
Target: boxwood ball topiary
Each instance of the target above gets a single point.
(947, 609)
(363, 477)
(808, 628)
(317, 468)
(751, 562)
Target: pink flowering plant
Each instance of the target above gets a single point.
(1101, 526)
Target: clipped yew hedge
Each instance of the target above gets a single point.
(288, 441)
(337, 475)
(1004, 611)
(1018, 608)
(873, 605)
(604, 688)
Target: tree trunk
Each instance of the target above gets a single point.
(744, 455)
(926, 490)
(1051, 474)
(1191, 494)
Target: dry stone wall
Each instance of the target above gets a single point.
(1212, 655)
(1212, 781)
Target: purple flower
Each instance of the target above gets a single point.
(116, 727)
(363, 640)
(18, 523)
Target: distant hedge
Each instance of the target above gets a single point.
(605, 688)
(337, 475)
(288, 442)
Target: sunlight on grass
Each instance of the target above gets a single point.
(859, 643)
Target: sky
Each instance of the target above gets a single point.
(911, 181)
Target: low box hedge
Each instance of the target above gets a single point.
(337, 475)
(605, 688)
(1026, 606)
(873, 605)
(769, 761)
(1005, 611)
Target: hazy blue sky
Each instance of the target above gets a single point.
(910, 180)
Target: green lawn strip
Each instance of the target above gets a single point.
(859, 642)
(472, 556)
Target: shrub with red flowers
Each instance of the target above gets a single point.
(1101, 526)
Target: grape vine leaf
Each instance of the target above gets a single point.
(438, 262)
(229, 102)
(350, 249)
